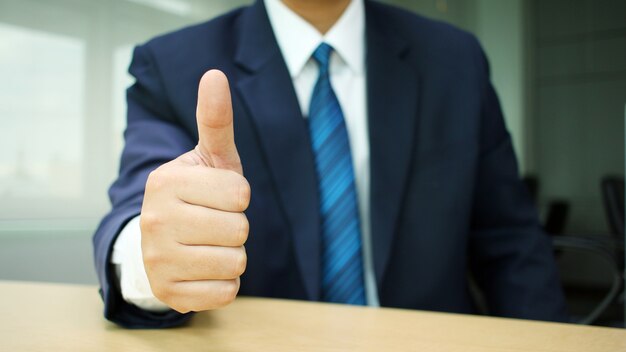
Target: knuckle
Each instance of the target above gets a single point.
(164, 293)
(240, 263)
(157, 180)
(243, 230)
(243, 193)
(162, 178)
(228, 292)
(151, 257)
(149, 222)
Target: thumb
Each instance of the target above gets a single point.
(216, 138)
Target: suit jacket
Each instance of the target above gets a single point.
(446, 198)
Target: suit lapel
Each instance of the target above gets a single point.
(267, 91)
(392, 92)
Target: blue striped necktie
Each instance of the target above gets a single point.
(342, 267)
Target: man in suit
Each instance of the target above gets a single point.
(371, 161)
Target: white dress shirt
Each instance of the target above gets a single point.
(297, 40)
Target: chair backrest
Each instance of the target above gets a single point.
(556, 219)
(532, 183)
(613, 196)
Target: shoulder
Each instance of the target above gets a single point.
(210, 30)
(169, 66)
(431, 40)
(417, 29)
(210, 41)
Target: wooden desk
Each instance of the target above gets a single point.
(50, 317)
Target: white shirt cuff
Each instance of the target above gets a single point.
(128, 260)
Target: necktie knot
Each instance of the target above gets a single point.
(322, 56)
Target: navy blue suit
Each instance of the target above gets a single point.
(446, 198)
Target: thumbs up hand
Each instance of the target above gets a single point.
(192, 222)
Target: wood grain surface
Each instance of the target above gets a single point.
(56, 317)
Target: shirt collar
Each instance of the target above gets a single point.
(297, 39)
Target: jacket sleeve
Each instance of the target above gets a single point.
(511, 257)
(153, 136)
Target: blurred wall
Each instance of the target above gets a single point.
(579, 92)
(62, 111)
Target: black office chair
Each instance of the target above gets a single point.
(556, 219)
(557, 210)
(596, 246)
(532, 184)
(613, 197)
(610, 249)
(600, 249)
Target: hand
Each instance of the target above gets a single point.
(192, 222)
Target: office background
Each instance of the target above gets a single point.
(559, 67)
